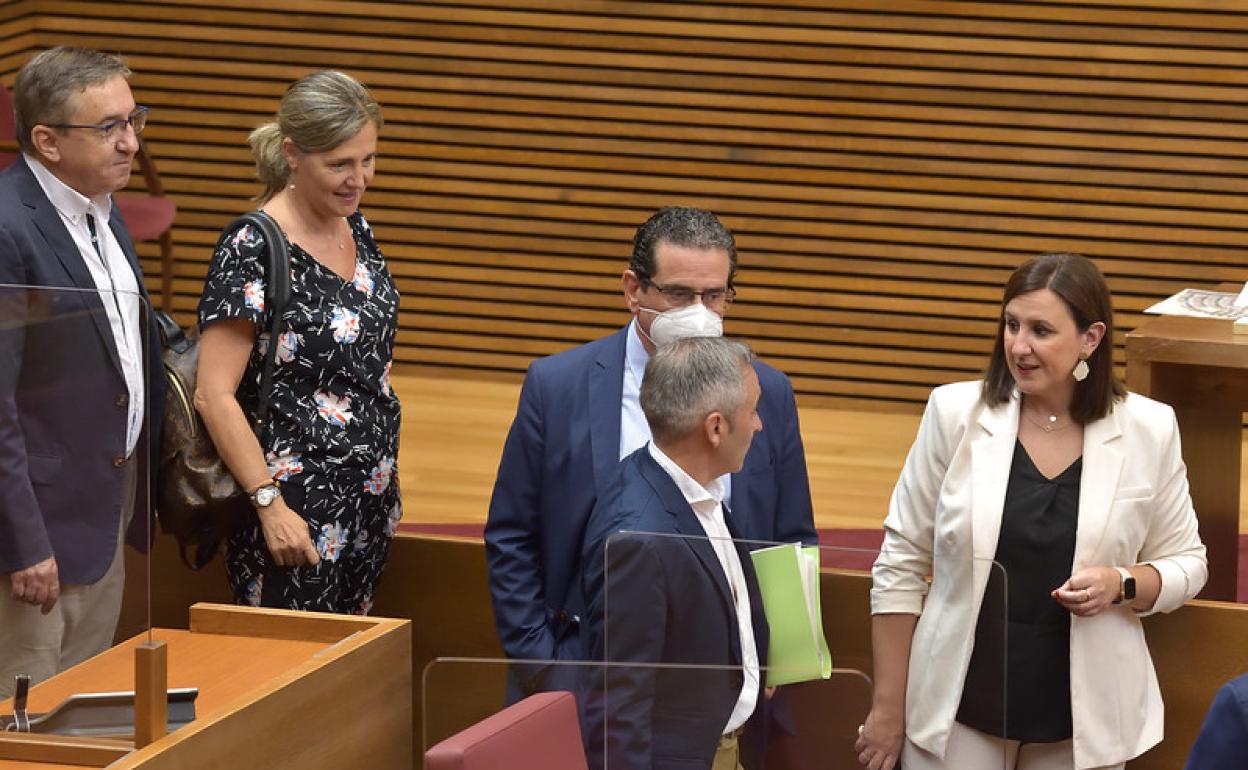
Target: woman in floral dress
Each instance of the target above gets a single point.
(322, 478)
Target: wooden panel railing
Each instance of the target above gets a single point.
(883, 164)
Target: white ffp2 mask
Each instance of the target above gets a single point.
(694, 320)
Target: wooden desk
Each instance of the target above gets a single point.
(1200, 367)
(276, 689)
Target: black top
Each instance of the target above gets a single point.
(1037, 550)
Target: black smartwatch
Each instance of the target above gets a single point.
(1126, 593)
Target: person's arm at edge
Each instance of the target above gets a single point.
(21, 522)
(1173, 563)
(795, 518)
(885, 726)
(513, 532)
(899, 586)
(224, 349)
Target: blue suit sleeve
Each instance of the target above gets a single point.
(23, 536)
(795, 519)
(513, 535)
(1223, 739)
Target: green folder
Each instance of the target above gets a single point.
(788, 578)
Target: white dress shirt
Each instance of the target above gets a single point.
(706, 503)
(114, 278)
(634, 430)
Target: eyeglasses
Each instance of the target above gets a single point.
(680, 296)
(112, 130)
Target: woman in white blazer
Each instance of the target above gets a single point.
(1079, 491)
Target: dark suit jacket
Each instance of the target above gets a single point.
(562, 451)
(661, 600)
(63, 399)
(1223, 740)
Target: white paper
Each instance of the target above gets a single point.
(1242, 301)
(810, 579)
(1200, 303)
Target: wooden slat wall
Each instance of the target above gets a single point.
(884, 164)
(17, 23)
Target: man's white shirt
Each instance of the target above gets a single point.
(113, 277)
(706, 503)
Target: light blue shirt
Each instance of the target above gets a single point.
(634, 430)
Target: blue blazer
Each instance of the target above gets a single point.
(559, 458)
(1223, 740)
(664, 600)
(63, 399)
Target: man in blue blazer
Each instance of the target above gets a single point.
(665, 583)
(1223, 740)
(579, 415)
(74, 394)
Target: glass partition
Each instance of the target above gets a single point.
(667, 598)
(664, 674)
(76, 461)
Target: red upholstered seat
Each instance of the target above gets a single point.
(150, 218)
(538, 733)
(146, 216)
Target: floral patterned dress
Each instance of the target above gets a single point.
(333, 430)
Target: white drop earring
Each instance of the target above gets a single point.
(1081, 370)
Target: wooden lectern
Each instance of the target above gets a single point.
(1200, 367)
(276, 689)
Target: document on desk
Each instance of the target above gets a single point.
(788, 578)
(1201, 303)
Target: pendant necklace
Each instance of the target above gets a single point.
(341, 246)
(1049, 426)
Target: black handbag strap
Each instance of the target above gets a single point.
(276, 297)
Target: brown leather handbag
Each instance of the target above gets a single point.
(197, 499)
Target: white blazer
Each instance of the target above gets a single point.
(945, 516)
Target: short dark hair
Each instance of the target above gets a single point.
(1078, 282)
(46, 84)
(680, 226)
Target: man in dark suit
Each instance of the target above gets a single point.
(665, 582)
(578, 416)
(75, 393)
(1223, 740)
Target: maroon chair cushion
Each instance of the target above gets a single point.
(538, 733)
(146, 216)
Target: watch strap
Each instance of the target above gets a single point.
(255, 493)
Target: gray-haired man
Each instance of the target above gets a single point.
(664, 580)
